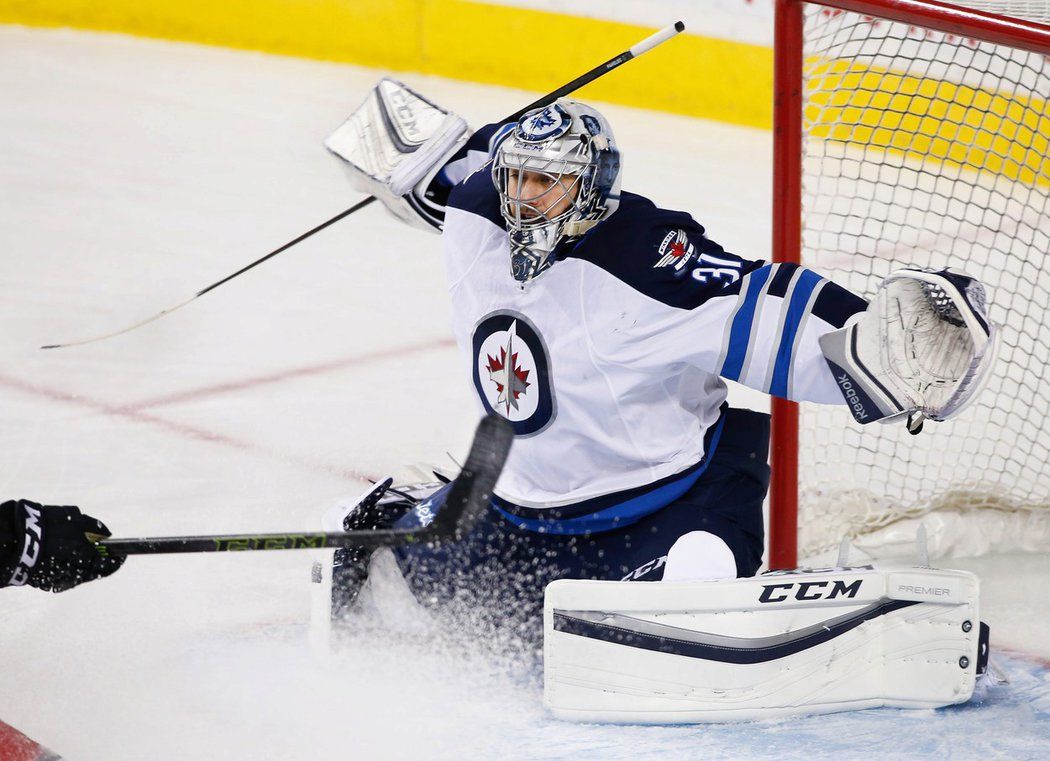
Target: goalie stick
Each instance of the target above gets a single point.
(601, 70)
(469, 496)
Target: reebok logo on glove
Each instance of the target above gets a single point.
(852, 397)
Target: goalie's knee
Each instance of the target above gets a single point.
(699, 556)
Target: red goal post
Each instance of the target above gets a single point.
(971, 30)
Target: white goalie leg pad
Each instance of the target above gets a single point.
(394, 145)
(782, 644)
(924, 346)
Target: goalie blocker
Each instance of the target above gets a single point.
(800, 642)
(394, 145)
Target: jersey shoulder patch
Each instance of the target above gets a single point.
(663, 254)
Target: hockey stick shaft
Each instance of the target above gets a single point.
(341, 215)
(236, 542)
(601, 70)
(466, 500)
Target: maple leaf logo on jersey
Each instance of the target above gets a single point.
(675, 251)
(510, 379)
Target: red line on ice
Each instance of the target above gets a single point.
(180, 429)
(296, 372)
(1040, 659)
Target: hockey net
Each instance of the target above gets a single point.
(917, 133)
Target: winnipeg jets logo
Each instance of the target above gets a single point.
(510, 378)
(540, 121)
(549, 123)
(512, 371)
(675, 251)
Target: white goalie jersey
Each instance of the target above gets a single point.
(610, 364)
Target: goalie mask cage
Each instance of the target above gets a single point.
(909, 132)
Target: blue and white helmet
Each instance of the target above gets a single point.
(570, 145)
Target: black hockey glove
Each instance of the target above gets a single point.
(379, 509)
(51, 548)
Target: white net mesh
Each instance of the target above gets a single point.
(928, 149)
(1032, 10)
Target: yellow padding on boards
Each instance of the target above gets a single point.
(969, 127)
(368, 32)
(533, 50)
(692, 75)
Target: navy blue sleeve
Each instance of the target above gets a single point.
(664, 254)
(464, 164)
(747, 321)
(478, 149)
(477, 194)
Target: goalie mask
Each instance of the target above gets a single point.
(558, 175)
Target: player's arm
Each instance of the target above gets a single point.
(49, 547)
(770, 334)
(921, 349)
(748, 321)
(409, 152)
(698, 304)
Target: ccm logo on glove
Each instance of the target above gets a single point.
(32, 548)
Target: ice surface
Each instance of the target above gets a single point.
(134, 173)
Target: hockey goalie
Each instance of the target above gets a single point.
(604, 329)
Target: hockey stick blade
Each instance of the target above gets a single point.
(467, 499)
(472, 488)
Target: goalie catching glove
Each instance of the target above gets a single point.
(394, 145)
(923, 349)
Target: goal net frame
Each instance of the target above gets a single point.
(788, 149)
